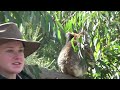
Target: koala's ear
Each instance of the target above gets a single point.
(67, 34)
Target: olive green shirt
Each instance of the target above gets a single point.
(21, 75)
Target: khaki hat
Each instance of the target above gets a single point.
(10, 31)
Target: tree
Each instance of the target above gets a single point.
(50, 27)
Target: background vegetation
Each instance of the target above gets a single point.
(49, 28)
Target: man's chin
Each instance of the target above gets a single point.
(16, 71)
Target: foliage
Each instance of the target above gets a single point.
(49, 28)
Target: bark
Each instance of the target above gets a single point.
(37, 72)
(49, 74)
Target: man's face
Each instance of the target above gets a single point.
(11, 57)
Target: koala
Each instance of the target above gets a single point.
(69, 61)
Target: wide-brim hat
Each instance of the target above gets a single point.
(10, 31)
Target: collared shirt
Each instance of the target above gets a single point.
(21, 75)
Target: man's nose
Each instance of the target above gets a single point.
(17, 55)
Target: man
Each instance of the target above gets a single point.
(13, 51)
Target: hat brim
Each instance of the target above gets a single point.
(29, 47)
